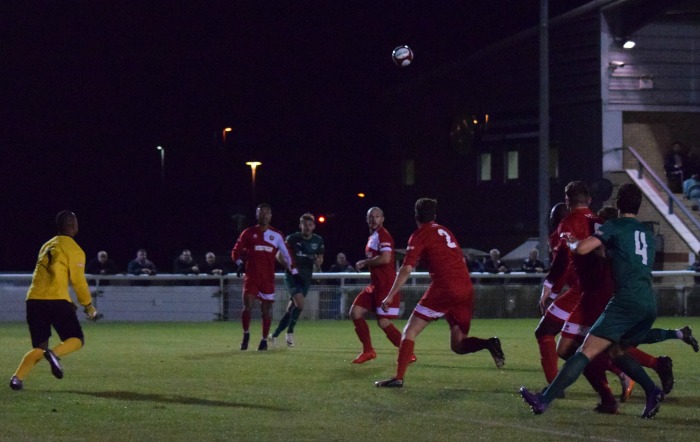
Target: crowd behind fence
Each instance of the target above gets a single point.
(218, 298)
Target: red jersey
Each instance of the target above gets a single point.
(437, 247)
(588, 269)
(259, 249)
(382, 276)
(559, 274)
(566, 278)
(590, 307)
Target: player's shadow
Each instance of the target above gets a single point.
(172, 399)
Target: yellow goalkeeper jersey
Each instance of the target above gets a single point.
(61, 261)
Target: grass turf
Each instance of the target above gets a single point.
(185, 381)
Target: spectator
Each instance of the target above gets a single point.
(533, 264)
(474, 264)
(101, 265)
(695, 267)
(493, 263)
(185, 264)
(211, 266)
(691, 189)
(141, 265)
(341, 264)
(675, 165)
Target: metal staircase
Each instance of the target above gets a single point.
(674, 208)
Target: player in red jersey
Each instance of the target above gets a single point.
(588, 271)
(593, 277)
(555, 309)
(379, 253)
(255, 251)
(560, 308)
(588, 310)
(450, 294)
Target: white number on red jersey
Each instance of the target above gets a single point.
(448, 238)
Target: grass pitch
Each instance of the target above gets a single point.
(185, 381)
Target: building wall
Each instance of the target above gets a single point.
(590, 120)
(650, 97)
(663, 69)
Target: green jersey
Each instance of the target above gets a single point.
(304, 251)
(630, 245)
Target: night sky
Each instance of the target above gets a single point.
(92, 87)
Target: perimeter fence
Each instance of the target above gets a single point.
(218, 298)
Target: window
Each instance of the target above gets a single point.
(408, 172)
(554, 162)
(512, 165)
(485, 167)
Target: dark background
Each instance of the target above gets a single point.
(92, 87)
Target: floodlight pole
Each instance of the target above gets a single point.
(543, 176)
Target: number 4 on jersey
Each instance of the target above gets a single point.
(640, 245)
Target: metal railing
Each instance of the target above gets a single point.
(197, 298)
(643, 167)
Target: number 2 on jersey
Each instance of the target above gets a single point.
(640, 245)
(448, 238)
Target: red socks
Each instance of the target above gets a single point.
(245, 320)
(266, 323)
(595, 373)
(362, 330)
(393, 334)
(405, 354)
(548, 357)
(644, 359)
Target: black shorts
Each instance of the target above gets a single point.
(42, 314)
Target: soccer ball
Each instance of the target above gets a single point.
(402, 56)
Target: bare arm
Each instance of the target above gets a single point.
(399, 281)
(381, 259)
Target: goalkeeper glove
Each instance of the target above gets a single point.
(241, 269)
(91, 311)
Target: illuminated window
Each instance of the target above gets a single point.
(554, 162)
(512, 165)
(485, 167)
(408, 172)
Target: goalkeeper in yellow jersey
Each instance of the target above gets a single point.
(61, 261)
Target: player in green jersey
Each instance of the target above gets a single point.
(307, 249)
(629, 315)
